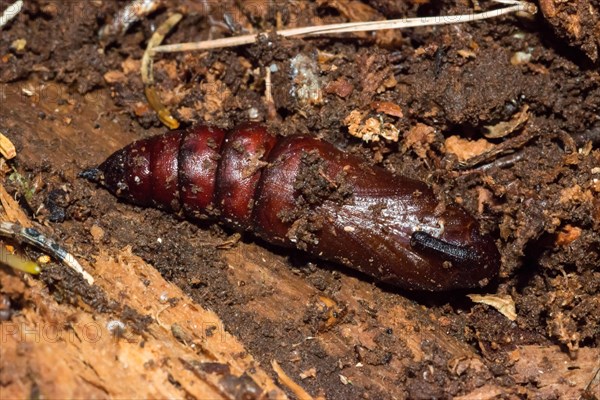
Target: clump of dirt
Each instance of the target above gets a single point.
(576, 24)
(314, 186)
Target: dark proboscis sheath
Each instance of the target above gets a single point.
(301, 192)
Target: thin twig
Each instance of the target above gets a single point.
(508, 145)
(571, 143)
(35, 238)
(515, 6)
(289, 382)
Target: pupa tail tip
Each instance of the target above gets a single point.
(92, 174)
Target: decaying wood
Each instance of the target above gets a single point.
(555, 373)
(66, 352)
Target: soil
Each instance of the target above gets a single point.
(527, 90)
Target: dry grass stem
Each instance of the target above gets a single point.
(514, 6)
